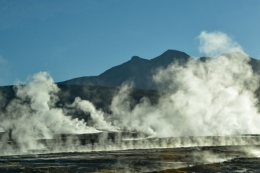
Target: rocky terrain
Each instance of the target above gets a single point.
(140, 71)
(199, 159)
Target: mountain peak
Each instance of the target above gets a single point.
(173, 52)
(169, 56)
(140, 70)
(135, 58)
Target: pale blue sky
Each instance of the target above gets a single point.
(73, 38)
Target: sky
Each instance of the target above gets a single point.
(78, 38)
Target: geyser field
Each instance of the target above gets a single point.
(205, 119)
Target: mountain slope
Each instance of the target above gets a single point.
(137, 69)
(140, 71)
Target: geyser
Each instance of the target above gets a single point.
(214, 96)
(209, 97)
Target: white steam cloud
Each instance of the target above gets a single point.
(215, 43)
(214, 96)
(33, 115)
(96, 115)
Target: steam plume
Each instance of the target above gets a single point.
(216, 43)
(33, 115)
(215, 97)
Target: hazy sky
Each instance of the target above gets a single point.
(73, 38)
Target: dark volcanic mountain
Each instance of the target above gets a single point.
(101, 89)
(100, 96)
(137, 69)
(140, 71)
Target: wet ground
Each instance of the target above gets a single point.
(125, 152)
(188, 159)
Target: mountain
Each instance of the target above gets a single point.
(140, 71)
(137, 69)
(101, 89)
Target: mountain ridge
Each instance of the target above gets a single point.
(137, 69)
(140, 71)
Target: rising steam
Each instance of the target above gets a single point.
(33, 115)
(215, 43)
(214, 96)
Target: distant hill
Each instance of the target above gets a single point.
(140, 71)
(137, 69)
(101, 89)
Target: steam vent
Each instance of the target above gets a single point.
(171, 113)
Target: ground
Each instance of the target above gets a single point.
(161, 160)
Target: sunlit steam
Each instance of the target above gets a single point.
(33, 115)
(96, 115)
(209, 97)
(215, 43)
(215, 97)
